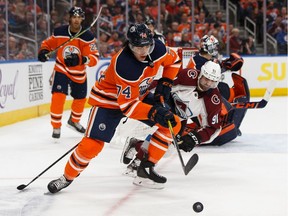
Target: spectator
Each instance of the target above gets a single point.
(25, 52)
(116, 47)
(41, 30)
(257, 17)
(167, 17)
(117, 17)
(133, 13)
(249, 46)
(89, 7)
(184, 25)
(275, 27)
(200, 7)
(13, 48)
(154, 9)
(282, 39)
(235, 41)
(172, 7)
(147, 14)
(170, 39)
(218, 18)
(104, 50)
(185, 40)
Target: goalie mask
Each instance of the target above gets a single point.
(210, 45)
(210, 76)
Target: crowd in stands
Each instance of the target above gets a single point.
(175, 23)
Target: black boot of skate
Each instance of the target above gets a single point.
(148, 177)
(131, 169)
(58, 184)
(56, 133)
(75, 126)
(130, 149)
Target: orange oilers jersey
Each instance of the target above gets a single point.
(85, 45)
(125, 82)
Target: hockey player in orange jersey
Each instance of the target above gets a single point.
(70, 69)
(122, 91)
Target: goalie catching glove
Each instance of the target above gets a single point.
(73, 60)
(233, 63)
(188, 141)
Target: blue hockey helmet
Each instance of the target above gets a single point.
(139, 35)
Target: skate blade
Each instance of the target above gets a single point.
(147, 183)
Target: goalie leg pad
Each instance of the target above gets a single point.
(240, 88)
(227, 134)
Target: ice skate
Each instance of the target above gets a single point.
(131, 169)
(129, 150)
(56, 133)
(147, 176)
(58, 184)
(76, 126)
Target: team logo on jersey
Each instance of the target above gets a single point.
(102, 127)
(70, 49)
(215, 99)
(192, 73)
(144, 85)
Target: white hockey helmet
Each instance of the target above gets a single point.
(211, 71)
(209, 44)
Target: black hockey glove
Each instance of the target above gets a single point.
(163, 88)
(188, 141)
(72, 60)
(42, 55)
(161, 115)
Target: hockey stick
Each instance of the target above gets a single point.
(192, 161)
(76, 35)
(257, 104)
(22, 186)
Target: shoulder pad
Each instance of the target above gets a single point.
(61, 31)
(87, 36)
(199, 60)
(128, 67)
(158, 51)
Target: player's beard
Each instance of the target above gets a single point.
(75, 26)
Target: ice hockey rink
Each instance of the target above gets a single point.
(247, 177)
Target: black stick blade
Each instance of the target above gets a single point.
(191, 163)
(21, 187)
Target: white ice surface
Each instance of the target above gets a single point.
(247, 177)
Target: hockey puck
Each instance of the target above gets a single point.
(198, 207)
